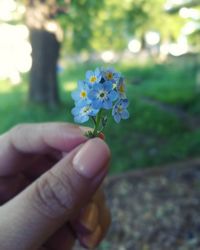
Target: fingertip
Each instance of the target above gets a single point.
(92, 158)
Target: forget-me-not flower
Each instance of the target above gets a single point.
(111, 75)
(93, 77)
(102, 90)
(103, 95)
(121, 88)
(80, 95)
(82, 113)
(120, 110)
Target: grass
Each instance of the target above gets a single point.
(150, 137)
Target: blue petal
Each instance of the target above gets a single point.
(116, 105)
(124, 103)
(116, 76)
(108, 85)
(113, 95)
(81, 84)
(81, 118)
(98, 87)
(117, 118)
(125, 114)
(92, 94)
(75, 111)
(107, 104)
(98, 74)
(96, 104)
(89, 73)
(75, 95)
(82, 102)
(94, 112)
(113, 110)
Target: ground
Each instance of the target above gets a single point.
(151, 209)
(155, 209)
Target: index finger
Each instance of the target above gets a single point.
(39, 138)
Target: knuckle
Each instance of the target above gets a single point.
(54, 197)
(18, 137)
(18, 128)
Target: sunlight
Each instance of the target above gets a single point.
(15, 52)
(70, 86)
(152, 38)
(108, 56)
(6, 9)
(190, 27)
(134, 45)
(176, 49)
(189, 13)
(5, 87)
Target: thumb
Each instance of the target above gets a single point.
(35, 214)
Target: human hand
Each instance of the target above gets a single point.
(46, 199)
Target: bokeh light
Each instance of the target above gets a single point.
(135, 45)
(108, 56)
(15, 52)
(152, 38)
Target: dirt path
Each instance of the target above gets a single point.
(189, 121)
(156, 209)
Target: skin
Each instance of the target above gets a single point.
(48, 200)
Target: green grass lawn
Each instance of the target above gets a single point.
(150, 137)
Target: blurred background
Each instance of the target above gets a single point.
(46, 46)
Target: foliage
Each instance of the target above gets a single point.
(101, 25)
(78, 23)
(104, 25)
(150, 137)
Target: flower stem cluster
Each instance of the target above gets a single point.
(101, 91)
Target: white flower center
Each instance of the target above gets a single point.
(102, 95)
(85, 110)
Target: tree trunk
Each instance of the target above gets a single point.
(43, 76)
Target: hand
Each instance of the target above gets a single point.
(49, 176)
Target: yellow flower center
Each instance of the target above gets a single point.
(121, 88)
(109, 75)
(93, 79)
(119, 109)
(83, 94)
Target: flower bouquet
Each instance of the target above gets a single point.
(103, 90)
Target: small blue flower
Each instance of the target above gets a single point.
(102, 95)
(80, 95)
(102, 90)
(120, 110)
(111, 75)
(82, 113)
(121, 88)
(93, 77)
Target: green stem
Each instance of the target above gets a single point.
(98, 120)
(94, 120)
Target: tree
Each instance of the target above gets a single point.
(88, 25)
(44, 37)
(45, 19)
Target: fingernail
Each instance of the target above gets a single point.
(92, 240)
(99, 178)
(90, 217)
(92, 158)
